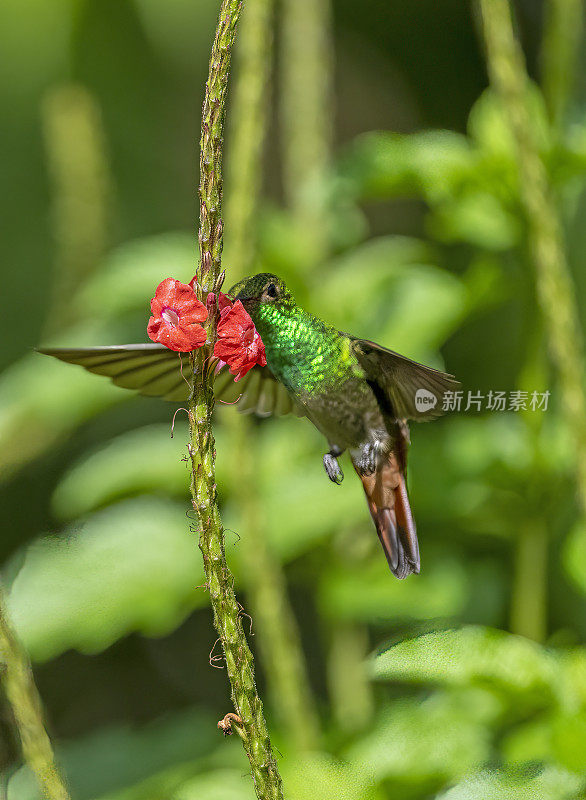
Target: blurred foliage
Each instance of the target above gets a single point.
(119, 757)
(134, 561)
(427, 250)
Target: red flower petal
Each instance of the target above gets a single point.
(224, 302)
(239, 343)
(177, 313)
(175, 323)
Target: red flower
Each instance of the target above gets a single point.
(177, 314)
(239, 343)
(225, 302)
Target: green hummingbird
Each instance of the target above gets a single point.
(358, 394)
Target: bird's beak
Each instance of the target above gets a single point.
(238, 291)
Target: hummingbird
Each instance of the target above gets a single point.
(358, 394)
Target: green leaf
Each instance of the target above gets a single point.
(429, 164)
(222, 784)
(478, 218)
(489, 128)
(426, 307)
(556, 737)
(568, 737)
(381, 263)
(132, 567)
(550, 784)
(441, 737)
(320, 777)
(472, 656)
(528, 743)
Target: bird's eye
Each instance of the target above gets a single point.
(271, 290)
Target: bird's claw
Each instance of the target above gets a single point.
(333, 469)
(368, 461)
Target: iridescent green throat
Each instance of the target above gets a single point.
(304, 353)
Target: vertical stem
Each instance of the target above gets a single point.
(237, 655)
(306, 116)
(553, 280)
(279, 640)
(77, 164)
(22, 694)
(563, 27)
(529, 598)
(211, 227)
(349, 687)
(529, 591)
(248, 118)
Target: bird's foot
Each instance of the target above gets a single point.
(368, 461)
(333, 469)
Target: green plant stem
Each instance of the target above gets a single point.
(529, 592)
(211, 144)
(349, 687)
(529, 598)
(278, 635)
(555, 291)
(22, 694)
(238, 658)
(79, 172)
(247, 133)
(563, 29)
(306, 115)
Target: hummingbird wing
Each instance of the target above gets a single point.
(155, 371)
(259, 392)
(400, 380)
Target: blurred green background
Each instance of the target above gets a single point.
(479, 688)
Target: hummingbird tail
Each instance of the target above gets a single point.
(386, 495)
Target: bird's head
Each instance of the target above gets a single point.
(259, 290)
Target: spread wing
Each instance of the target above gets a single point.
(401, 380)
(155, 371)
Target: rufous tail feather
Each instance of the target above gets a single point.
(386, 495)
